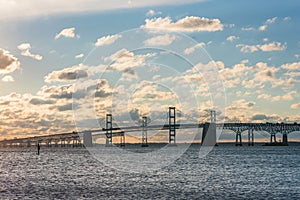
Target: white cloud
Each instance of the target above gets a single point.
(123, 60)
(295, 106)
(264, 96)
(8, 62)
(193, 48)
(241, 104)
(232, 37)
(274, 46)
(67, 32)
(286, 97)
(247, 48)
(34, 8)
(67, 74)
(8, 78)
(291, 66)
(248, 29)
(151, 13)
(262, 28)
(79, 56)
(25, 51)
(271, 21)
(161, 40)
(286, 19)
(187, 24)
(107, 40)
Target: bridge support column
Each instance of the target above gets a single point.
(108, 133)
(144, 132)
(87, 139)
(172, 125)
(238, 138)
(209, 134)
(285, 139)
(28, 143)
(273, 137)
(250, 137)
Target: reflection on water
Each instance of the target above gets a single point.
(227, 172)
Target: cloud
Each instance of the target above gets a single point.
(67, 74)
(286, 19)
(262, 28)
(79, 56)
(25, 51)
(193, 48)
(265, 117)
(151, 13)
(161, 40)
(295, 106)
(65, 107)
(241, 104)
(8, 63)
(8, 78)
(264, 96)
(124, 59)
(57, 92)
(248, 29)
(107, 40)
(33, 8)
(274, 46)
(291, 66)
(67, 32)
(232, 38)
(187, 24)
(285, 97)
(39, 101)
(247, 48)
(271, 21)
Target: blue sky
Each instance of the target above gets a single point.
(255, 48)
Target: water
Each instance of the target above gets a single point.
(227, 172)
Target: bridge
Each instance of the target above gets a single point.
(209, 133)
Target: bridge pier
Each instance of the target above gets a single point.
(87, 139)
(285, 139)
(172, 125)
(209, 134)
(250, 137)
(238, 138)
(144, 132)
(28, 143)
(273, 137)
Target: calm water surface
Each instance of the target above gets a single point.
(227, 172)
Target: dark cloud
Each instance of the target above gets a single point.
(58, 92)
(259, 117)
(129, 71)
(38, 101)
(72, 75)
(67, 74)
(5, 60)
(8, 63)
(264, 117)
(102, 94)
(65, 107)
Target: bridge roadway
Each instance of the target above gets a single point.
(85, 137)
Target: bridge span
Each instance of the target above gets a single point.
(209, 133)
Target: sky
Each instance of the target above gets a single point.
(64, 66)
